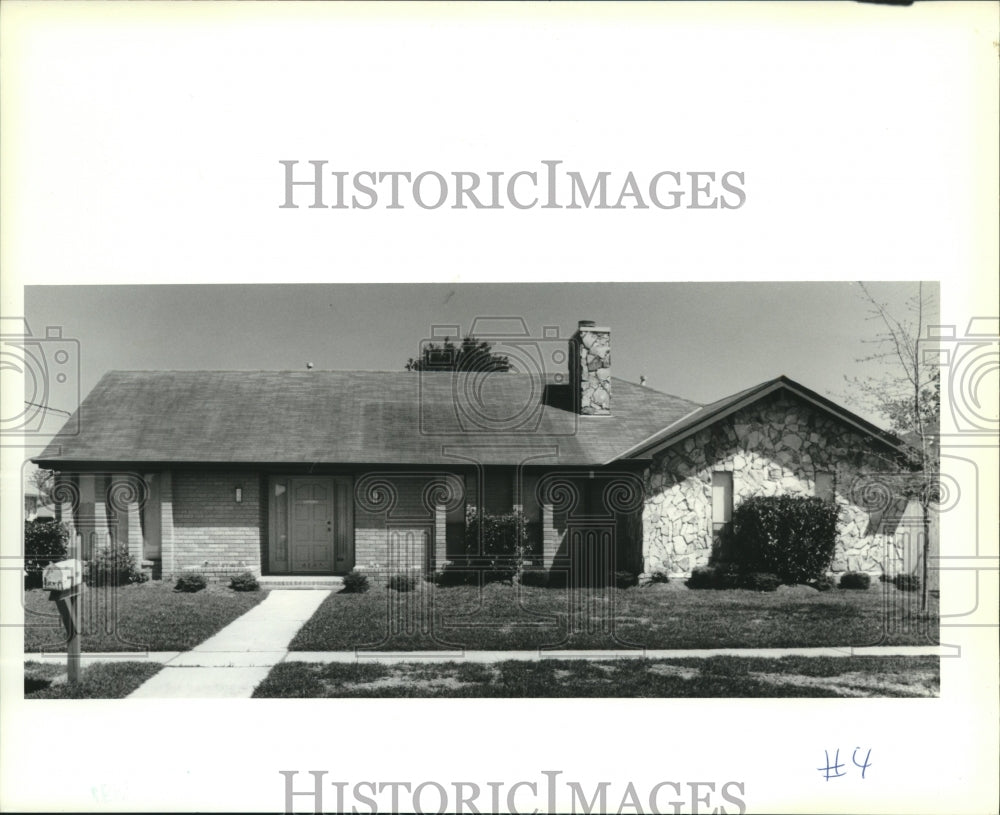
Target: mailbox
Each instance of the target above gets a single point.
(62, 576)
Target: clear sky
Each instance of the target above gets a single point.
(697, 340)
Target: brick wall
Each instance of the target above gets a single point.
(213, 534)
(393, 530)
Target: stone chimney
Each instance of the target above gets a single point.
(590, 369)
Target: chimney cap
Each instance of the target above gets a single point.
(592, 326)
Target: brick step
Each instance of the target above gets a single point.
(282, 581)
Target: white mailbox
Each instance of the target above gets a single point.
(63, 575)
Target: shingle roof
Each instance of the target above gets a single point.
(364, 417)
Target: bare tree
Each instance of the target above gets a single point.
(44, 482)
(908, 395)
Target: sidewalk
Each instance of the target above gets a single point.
(390, 657)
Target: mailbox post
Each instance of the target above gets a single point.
(64, 582)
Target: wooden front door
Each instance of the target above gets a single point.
(311, 533)
(311, 525)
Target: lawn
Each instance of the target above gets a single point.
(110, 680)
(504, 617)
(147, 616)
(713, 677)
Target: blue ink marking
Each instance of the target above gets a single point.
(832, 770)
(866, 763)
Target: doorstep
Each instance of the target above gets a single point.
(292, 581)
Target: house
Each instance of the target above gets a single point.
(318, 472)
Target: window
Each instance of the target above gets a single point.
(824, 487)
(722, 498)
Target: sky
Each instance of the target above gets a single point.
(702, 341)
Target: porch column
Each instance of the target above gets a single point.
(550, 537)
(168, 551)
(133, 529)
(440, 536)
(66, 495)
(124, 494)
(93, 519)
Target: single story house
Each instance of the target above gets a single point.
(320, 472)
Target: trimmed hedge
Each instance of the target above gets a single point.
(906, 582)
(859, 581)
(244, 581)
(729, 577)
(715, 577)
(760, 581)
(191, 582)
(791, 537)
(355, 582)
(402, 582)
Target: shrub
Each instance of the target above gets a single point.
(535, 577)
(244, 581)
(355, 582)
(760, 581)
(730, 576)
(658, 577)
(453, 576)
(625, 580)
(704, 577)
(112, 566)
(402, 582)
(906, 582)
(824, 583)
(44, 543)
(855, 580)
(791, 537)
(497, 543)
(190, 582)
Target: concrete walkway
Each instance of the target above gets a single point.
(230, 664)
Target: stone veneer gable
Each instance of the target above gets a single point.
(773, 447)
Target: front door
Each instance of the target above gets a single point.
(311, 521)
(311, 525)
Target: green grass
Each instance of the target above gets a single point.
(713, 677)
(110, 680)
(138, 617)
(503, 617)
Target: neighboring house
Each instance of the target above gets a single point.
(318, 472)
(32, 501)
(35, 506)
